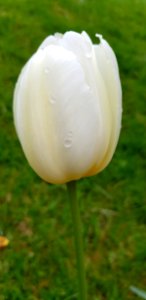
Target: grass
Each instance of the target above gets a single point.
(39, 263)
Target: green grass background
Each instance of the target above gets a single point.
(39, 263)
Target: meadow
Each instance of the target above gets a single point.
(39, 262)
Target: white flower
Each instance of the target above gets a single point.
(67, 107)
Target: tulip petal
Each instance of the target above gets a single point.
(107, 65)
(82, 47)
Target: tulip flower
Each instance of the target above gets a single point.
(67, 107)
(67, 113)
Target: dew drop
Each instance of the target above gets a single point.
(46, 70)
(52, 100)
(89, 55)
(68, 140)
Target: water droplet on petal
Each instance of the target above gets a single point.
(68, 140)
(89, 54)
(46, 70)
(52, 100)
(88, 90)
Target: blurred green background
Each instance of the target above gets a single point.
(39, 263)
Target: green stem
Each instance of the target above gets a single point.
(78, 239)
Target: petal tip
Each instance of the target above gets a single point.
(99, 36)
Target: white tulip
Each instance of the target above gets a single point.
(67, 107)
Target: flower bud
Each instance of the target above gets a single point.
(67, 107)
